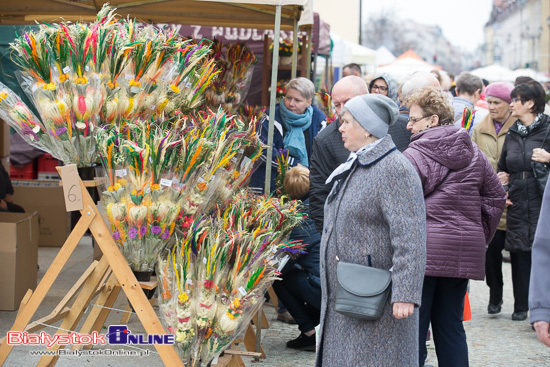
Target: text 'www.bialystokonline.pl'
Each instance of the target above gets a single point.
(93, 353)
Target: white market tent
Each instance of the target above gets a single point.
(345, 52)
(384, 56)
(494, 73)
(537, 75)
(406, 64)
(265, 14)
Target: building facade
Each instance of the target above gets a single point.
(517, 34)
(342, 15)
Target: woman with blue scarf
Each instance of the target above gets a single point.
(296, 123)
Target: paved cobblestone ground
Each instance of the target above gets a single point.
(493, 341)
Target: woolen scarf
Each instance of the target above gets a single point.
(294, 139)
(526, 130)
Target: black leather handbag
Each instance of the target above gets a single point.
(541, 170)
(362, 290)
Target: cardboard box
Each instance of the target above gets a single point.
(45, 197)
(18, 257)
(4, 139)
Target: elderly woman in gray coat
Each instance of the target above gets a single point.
(375, 210)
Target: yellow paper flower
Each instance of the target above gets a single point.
(183, 297)
(134, 83)
(49, 86)
(112, 85)
(81, 80)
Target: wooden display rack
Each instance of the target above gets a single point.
(105, 279)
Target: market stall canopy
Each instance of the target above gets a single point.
(406, 64)
(345, 52)
(494, 73)
(537, 75)
(222, 13)
(384, 56)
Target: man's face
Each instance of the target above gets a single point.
(339, 98)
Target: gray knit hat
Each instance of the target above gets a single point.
(374, 112)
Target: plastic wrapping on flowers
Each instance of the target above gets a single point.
(214, 280)
(141, 204)
(162, 176)
(18, 115)
(218, 155)
(236, 64)
(82, 76)
(61, 79)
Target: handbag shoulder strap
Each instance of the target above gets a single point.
(340, 201)
(546, 135)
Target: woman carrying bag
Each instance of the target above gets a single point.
(374, 216)
(489, 135)
(527, 142)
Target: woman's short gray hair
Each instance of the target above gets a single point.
(303, 85)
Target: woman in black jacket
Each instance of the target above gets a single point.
(525, 143)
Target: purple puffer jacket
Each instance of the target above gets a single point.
(464, 201)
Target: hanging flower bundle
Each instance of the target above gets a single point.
(162, 176)
(18, 115)
(141, 204)
(324, 102)
(235, 62)
(81, 76)
(215, 278)
(65, 91)
(217, 157)
(283, 166)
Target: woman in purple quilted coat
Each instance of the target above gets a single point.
(464, 201)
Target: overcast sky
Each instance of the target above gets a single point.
(462, 21)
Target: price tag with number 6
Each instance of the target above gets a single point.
(71, 188)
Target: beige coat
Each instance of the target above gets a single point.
(485, 136)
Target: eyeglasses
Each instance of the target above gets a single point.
(414, 120)
(379, 88)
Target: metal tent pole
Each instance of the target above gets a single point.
(294, 50)
(272, 95)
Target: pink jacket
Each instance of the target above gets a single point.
(464, 201)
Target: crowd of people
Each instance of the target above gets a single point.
(430, 184)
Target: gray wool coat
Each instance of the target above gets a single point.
(378, 211)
